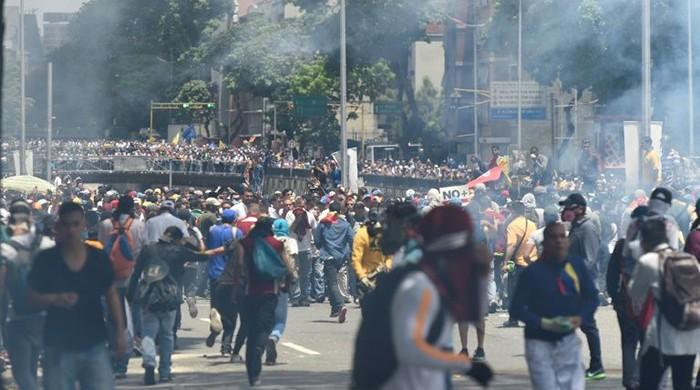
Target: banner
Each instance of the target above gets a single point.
(491, 175)
(448, 193)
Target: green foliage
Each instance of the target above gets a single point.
(196, 91)
(430, 107)
(123, 54)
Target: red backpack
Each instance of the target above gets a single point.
(121, 249)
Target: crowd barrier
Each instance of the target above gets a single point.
(146, 172)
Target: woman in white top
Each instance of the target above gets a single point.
(664, 345)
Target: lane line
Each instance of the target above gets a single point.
(301, 349)
(204, 320)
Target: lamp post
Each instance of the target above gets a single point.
(691, 90)
(343, 100)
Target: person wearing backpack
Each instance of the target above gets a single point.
(554, 296)
(266, 265)
(24, 325)
(620, 268)
(405, 339)
(123, 236)
(672, 338)
(156, 288)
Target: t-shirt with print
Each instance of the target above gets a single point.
(82, 326)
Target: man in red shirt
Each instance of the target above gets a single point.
(260, 296)
(246, 224)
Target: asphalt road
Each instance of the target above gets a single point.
(316, 353)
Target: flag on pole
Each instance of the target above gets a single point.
(491, 175)
(176, 139)
(222, 145)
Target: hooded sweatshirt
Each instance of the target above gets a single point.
(334, 237)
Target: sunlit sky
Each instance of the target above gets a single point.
(49, 5)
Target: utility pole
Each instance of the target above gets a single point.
(22, 97)
(475, 75)
(691, 90)
(520, 74)
(345, 169)
(49, 121)
(646, 68)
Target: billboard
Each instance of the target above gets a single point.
(504, 100)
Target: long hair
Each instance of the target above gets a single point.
(696, 223)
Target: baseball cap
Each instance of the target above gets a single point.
(20, 207)
(228, 215)
(213, 202)
(167, 204)
(574, 200)
(662, 194)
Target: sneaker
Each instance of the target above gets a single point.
(596, 375)
(215, 323)
(342, 316)
(192, 306)
(166, 379)
(320, 300)
(211, 339)
(479, 355)
(226, 350)
(137, 347)
(120, 375)
(149, 377)
(493, 307)
(236, 359)
(464, 352)
(270, 353)
(301, 303)
(511, 323)
(254, 382)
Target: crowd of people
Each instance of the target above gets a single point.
(93, 276)
(215, 156)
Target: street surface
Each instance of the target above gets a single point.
(316, 353)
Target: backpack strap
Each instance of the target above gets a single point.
(438, 324)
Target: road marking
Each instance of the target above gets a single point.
(204, 320)
(300, 348)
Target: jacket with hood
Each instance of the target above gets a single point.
(334, 237)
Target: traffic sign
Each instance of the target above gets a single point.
(388, 108)
(309, 106)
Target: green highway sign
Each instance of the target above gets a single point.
(388, 108)
(309, 106)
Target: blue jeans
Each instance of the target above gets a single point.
(91, 368)
(120, 364)
(158, 325)
(280, 316)
(23, 345)
(318, 286)
(301, 290)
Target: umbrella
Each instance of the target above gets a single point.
(26, 183)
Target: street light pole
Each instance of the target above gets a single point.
(22, 103)
(520, 74)
(646, 67)
(49, 121)
(691, 90)
(343, 100)
(475, 75)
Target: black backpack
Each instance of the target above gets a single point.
(375, 356)
(157, 290)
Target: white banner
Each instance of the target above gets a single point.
(461, 192)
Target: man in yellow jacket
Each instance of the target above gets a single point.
(367, 257)
(518, 254)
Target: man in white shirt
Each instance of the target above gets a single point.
(155, 227)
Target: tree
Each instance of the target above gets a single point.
(11, 95)
(197, 91)
(120, 55)
(430, 107)
(592, 43)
